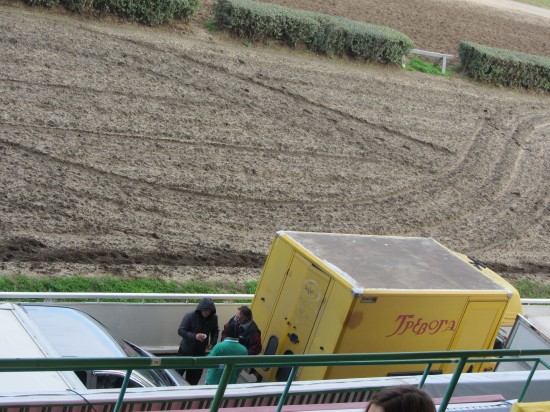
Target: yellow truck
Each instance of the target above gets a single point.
(323, 293)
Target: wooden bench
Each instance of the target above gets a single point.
(441, 56)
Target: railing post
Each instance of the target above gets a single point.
(123, 388)
(216, 402)
(284, 395)
(425, 375)
(528, 381)
(452, 385)
(230, 363)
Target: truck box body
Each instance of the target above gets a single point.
(323, 293)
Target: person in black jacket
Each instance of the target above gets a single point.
(243, 326)
(199, 332)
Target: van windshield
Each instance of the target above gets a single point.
(73, 333)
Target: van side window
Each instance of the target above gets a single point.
(272, 344)
(271, 347)
(108, 381)
(83, 376)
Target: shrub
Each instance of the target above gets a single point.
(319, 32)
(150, 12)
(80, 6)
(186, 9)
(504, 67)
(44, 3)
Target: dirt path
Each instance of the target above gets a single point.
(141, 152)
(515, 6)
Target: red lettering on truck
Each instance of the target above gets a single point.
(419, 326)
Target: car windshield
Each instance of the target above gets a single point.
(73, 333)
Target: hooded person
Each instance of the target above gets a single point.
(199, 332)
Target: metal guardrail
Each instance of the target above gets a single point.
(529, 302)
(296, 361)
(461, 358)
(143, 297)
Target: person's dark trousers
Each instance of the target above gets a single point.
(192, 376)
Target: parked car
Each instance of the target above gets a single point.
(56, 331)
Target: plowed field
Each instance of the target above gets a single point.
(155, 152)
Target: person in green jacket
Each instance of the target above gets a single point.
(230, 346)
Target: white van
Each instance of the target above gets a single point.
(43, 331)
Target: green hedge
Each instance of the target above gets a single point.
(44, 3)
(319, 32)
(150, 12)
(504, 67)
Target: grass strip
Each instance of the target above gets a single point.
(532, 289)
(545, 4)
(111, 284)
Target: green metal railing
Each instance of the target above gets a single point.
(461, 358)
